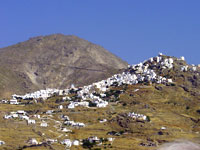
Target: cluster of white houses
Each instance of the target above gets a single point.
(21, 114)
(186, 68)
(69, 122)
(96, 100)
(74, 124)
(141, 72)
(136, 116)
(69, 143)
(93, 139)
(75, 104)
(43, 94)
(135, 74)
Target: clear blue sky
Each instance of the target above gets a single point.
(132, 29)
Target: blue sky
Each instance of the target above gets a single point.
(132, 29)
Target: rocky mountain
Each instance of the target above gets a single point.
(54, 61)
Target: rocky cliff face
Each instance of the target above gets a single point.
(54, 61)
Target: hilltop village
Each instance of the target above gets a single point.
(97, 95)
(135, 74)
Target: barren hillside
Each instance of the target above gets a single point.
(54, 61)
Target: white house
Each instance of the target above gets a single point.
(24, 117)
(163, 128)
(21, 112)
(93, 139)
(7, 116)
(76, 143)
(52, 140)
(49, 112)
(33, 141)
(37, 116)
(14, 102)
(31, 121)
(43, 124)
(102, 121)
(71, 106)
(184, 68)
(65, 117)
(194, 68)
(80, 124)
(102, 104)
(66, 130)
(60, 107)
(182, 58)
(169, 80)
(67, 142)
(4, 101)
(2, 142)
(15, 115)
(110, 139)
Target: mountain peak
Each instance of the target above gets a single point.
(57, 61)
(56, 36)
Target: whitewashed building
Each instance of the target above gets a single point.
(67, 142)
(43, 124)
(2, 142)
(33, 141)
(31, 121)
